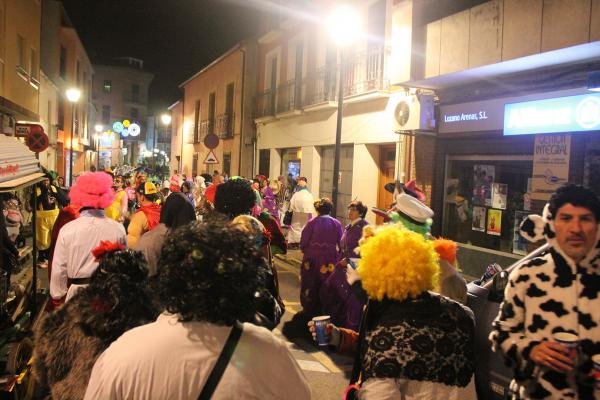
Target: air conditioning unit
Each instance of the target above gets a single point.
(413, 112)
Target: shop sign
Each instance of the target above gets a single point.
(562, 114)
(551, 158)
(470, 117)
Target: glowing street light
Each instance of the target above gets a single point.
(165, 119)
(344, 26)
(73, 96)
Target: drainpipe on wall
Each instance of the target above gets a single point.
(242, 112)
(254, 150)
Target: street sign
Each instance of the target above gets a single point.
(22, 130)
(211, 141)
(37, 140)
(211, 158)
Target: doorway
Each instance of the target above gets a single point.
(387, 169)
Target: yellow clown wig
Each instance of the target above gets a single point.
(397, 263)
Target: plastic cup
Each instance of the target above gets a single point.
(320, 326)
(596, 361)
(568, 340)
(353, 262)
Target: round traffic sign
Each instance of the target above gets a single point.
(211, 141)
(37, 141)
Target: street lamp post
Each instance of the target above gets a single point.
(98, 128)
(166, 120)
(343, 25)
(73, 96)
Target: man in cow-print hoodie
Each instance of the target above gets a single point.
(557, 292)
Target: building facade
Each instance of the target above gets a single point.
(218, 101)
(120, 95)
(20, 34)
(296, 108)
(515, 117)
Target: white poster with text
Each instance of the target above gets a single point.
(551, 156)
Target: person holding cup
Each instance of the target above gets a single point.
(337, 297)
(412, 341)
(548, 326)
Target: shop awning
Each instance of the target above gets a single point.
(22, 182)
(18, 165)
(588, 52)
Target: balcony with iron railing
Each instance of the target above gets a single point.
(225, 125)
(365, 72)
(207, 127)
(320, 87)
(289, 97)
(265, 105)
(364, 79)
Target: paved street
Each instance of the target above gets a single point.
(327, 373)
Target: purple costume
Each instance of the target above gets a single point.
(320, 241)
(337, 298)
(268, 201)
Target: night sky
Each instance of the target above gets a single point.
(175, 38)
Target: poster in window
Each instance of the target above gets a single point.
(451, 190)
(478, 223)
(494, 222)
(499, 195)
(551, 158)
(519, 242)
(483, 178)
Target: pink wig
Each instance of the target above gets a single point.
(93, 189)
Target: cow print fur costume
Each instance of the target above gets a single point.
(546, 295)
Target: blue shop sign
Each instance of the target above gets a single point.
(561, 114)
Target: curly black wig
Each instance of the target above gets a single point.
(117, 298)
(177, 211)
(234, 197)
(211, 272)
(576, 195)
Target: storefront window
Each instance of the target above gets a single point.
(291, 161)
(485, 202)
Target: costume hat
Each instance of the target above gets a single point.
(92, 189)
(147, 188)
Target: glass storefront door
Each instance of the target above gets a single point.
(486, 198)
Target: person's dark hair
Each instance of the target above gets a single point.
(207, 177)
(117, 296)
(234, 197)
(303, 178)
(323, 206)
(177, 211)
(360, 207)
(187, 185)
(210, 272)
(577, 196)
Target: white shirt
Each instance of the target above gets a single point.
(303, 201)
(73, 256)
(168, 359)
